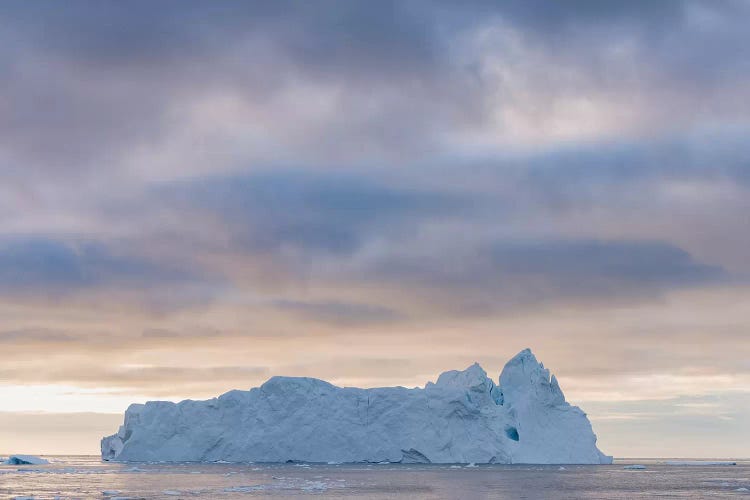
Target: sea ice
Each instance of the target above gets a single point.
(464, 417)
(25, 460)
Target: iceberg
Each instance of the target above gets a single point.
(25, 460)
(464, 417)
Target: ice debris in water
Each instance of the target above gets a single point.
(25, 460)
(464, 417)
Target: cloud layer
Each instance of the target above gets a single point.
(207, 193)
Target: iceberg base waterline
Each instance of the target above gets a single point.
(464, 417)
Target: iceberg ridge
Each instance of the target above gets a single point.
(464, 417)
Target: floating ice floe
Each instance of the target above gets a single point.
(25, 460)
(635, 467)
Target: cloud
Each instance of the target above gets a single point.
(339, 313)
(595, 266)
(163, 333)
(34, 335)
(182, 28)
(181, 178)
(40, 265)
(715, 155)
(515, 273)
(308, 211)
(346, 82)
(132, 379)
(124, 78)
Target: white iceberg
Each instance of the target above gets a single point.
(25, 460)
(464, 417)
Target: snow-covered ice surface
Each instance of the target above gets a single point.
(89, 477)
(464, 417)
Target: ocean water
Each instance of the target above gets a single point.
(88, 477)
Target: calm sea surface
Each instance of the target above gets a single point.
(87, 477)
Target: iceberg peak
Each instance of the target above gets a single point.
(464, 417)
(470, 377)
(524, 377)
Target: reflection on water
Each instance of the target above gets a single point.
(87, 477)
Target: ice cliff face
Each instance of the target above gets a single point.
(463, 417)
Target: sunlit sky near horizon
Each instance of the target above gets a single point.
(196, 196)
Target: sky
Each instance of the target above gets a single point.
(196, 196)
